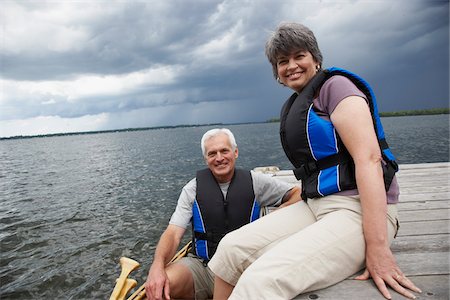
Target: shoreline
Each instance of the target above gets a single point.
(436, 111)
(418, 112)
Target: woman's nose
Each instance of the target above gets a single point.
(292, 64)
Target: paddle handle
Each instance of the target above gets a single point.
(127, 265)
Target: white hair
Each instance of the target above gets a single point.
(214, 132)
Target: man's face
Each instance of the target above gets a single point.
(220, 157)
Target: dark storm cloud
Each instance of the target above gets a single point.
(122, 38)
(71, 59)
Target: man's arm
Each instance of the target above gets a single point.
(291, 197)
(157, 280)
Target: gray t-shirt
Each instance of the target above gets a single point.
(268, 192)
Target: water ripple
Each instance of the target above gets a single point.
(71, 206)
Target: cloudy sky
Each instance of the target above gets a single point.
(68, 66)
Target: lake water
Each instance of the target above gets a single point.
(71, 206)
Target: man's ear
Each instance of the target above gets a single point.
(236, 153)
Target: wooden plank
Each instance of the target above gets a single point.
(433, 181)
(423, 197)
(422, 171)
(422, 174)
(424, 215)
(420, 264)
(423, 205)
(423, 189)
(444, 165)
(433, 287)
(421, 243)
(403, 170)
(424, 227)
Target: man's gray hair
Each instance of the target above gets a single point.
(290, 37)
(214, 132)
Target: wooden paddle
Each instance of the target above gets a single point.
(127, 265)
(139, 294)
(129, 284)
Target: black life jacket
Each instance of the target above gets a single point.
(214, 216)
(315, 149)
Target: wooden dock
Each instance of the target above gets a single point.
(422, 244)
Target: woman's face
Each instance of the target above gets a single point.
(297, 69)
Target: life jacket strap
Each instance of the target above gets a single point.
(309, 168)
(389, 170)
(209, 236)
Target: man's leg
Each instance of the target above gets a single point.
(181, 281)
(192, 279)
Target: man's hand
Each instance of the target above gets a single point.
(157, 284)
(291, 197)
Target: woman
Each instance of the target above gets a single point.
(331, 132)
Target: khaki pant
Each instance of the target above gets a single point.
(300, 248)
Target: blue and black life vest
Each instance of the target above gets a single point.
(214, 216)
(315, 149)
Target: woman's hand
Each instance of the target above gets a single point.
(382, 267)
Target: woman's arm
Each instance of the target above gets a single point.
(353, 122)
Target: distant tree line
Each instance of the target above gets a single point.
(433, 111)
(105, 131)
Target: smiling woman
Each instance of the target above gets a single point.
(331, 132)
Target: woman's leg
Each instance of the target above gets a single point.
(318, 256)
(238, 249)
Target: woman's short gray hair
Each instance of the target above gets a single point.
(214, 132)
(289, 37)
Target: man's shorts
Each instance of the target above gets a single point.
(202, 274)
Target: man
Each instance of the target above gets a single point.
(220, 199)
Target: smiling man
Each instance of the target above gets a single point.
(220, 199)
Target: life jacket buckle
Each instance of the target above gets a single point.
(305, 170)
